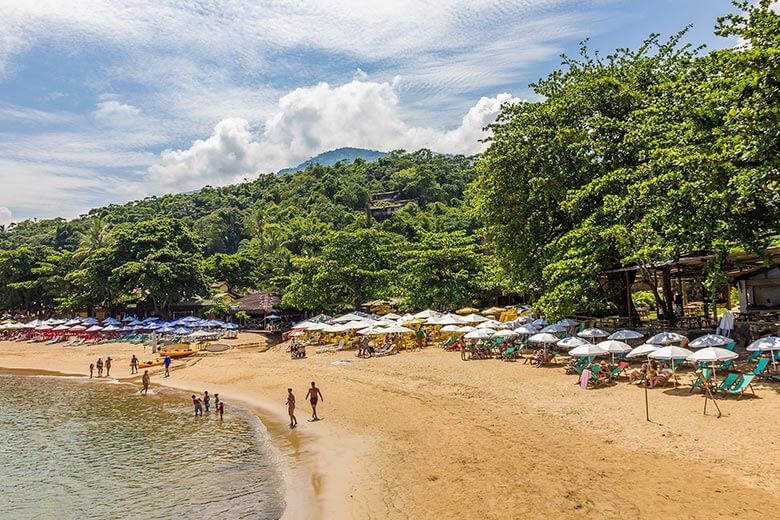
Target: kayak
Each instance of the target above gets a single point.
(177, 353)
(150, 364)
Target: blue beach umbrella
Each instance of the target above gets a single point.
(182, 330)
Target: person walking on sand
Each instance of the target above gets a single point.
(145, 380)
(99, 366)
(167, 365)
(221, 409)
(291, 408)
(108, 366)
(216, 401)
(314, 395)
(206, 400)
(133, 365)
(91, 369)
(196, 402)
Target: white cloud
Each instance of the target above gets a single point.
(5, 216)
(112, 112)
(312, 120)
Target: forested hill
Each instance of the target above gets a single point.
(267, 233)
(332, 157)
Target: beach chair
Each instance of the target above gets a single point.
(725, 366)
(754, 355)
(703, 379)
(728, 382)
(744, 384)
(620, 369)
(760, 367)
(730, 345)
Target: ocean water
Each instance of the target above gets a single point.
(72, 448)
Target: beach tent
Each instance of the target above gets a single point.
(571, 342)
(710, 340)
(666, 338)
(642, 350)
(625, 334)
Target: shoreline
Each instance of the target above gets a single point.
(424, 435)
(294, 452)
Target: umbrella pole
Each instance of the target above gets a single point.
(647, 405)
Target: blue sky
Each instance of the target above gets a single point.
(107, 101)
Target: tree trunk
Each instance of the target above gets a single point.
(666, 281)
(619, 286)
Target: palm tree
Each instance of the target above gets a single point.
(96, 236)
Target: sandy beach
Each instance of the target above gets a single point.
(425, 435)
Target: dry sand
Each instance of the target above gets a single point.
(425, 435)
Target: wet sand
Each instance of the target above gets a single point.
(425, 435)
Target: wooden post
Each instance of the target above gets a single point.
(647, 405)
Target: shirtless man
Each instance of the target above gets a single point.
(133, 365)
(108, 366)
(291, 408)
(99, 366)
(145, 380)
(313, 395)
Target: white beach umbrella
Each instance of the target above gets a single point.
(474, 318)
(543, 337)
(347, 318)
(568, 322)
(372, 331)
(110, 328)
(397, 329)
(78, 328)
(333, 329)
(526, 329)
(709, 340)
(490, 324)
(391, 316)
(666, 338)
(670, 352)
(427, 313)
(555, 328)
(450, 328)
(571, 342)
(504, 333)
(73, 321)
(539, 322)
(614, 346)
(625, 334)
(94, 328)
(765, 344)
(593, 332)
(480, 334)
(314, 327)
(303, 325)
(466, 329)
(587, 350)
(61, 327)
(642, 350)
(712, 355)
(356, 325)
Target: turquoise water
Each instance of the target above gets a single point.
(72, 448)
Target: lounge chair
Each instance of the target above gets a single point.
(620, 369)
(725, 366)
(760, 367)
(728, 382)
(754, 355)
(743, 385)
(334, 348)
(703, 379)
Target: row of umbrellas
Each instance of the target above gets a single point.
(129, 324)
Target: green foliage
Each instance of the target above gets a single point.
(236, 270)
(643, 299)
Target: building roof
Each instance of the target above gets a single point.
(259, 302)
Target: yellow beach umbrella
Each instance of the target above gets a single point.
(467, 310)
(493, 310)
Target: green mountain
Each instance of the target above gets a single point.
(346, 154)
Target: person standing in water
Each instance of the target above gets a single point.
(206, 400)
(145, 380)
(108, 366)
(196, 402)
(91, 369)
(221, 409)
(99, 366)
(167, 365)
(216, 401)
(314, 395)
(291, 408)
(133, 365)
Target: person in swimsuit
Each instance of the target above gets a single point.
(99, 366)
(108, 366)
(145, 380)
(291, 408)
(216, 401)
(314, 395)
(91, 369)
(221, 409)
(206, 400)
(167, 365)
(133, 365)
(197, 403)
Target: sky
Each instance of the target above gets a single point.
(105, 101)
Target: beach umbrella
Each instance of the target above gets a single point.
(505, 333)
(592, 333)
(110, 328)
(165, 329)
(391, 316)
(666, 338)
(572, 342)
(90, 321)
(480, 334)
(543, 337)
(490, 324)
(61, 327)
(493, 311)
(450, 328)
(765, 344)
(189, 319)
(151, 326)
(347, 318)
(78, 328)
(371, 331)
(111, 321)
(587, 350)
(203, 334)
(539, 322)
(712, 355)
(182, 331)
(466, 310)
(526, 329)
(314, 327)
(397, 329)
(625, 334)
(709, 340)
(555, 328)
(670, 353)
(72, 322)
(94, 328)
(568, 322)
(474, 318)
(43, 327)
(642, 350)
(333, 329)
(615, 347)
(356, 325)
(466, 329)
(129, 318)
(273, 317)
